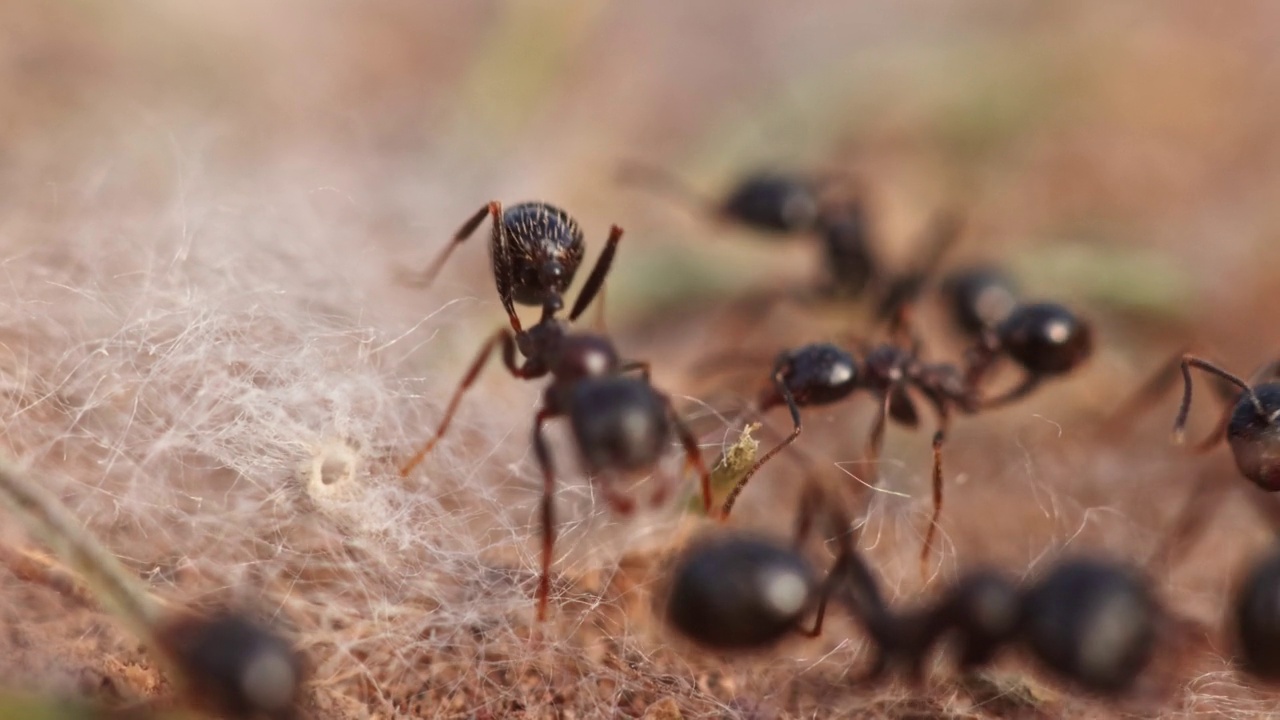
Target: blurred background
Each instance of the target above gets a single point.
(1119, 156)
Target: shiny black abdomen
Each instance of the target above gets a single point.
(773, 202)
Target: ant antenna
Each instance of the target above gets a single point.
(631, 172)
(1190, 361)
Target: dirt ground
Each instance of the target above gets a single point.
(207, 352)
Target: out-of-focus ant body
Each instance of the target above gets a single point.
(620, 423)
(1256, 619)
(1092, 622)
(979, 298)
(1046, 340)
(740, 591)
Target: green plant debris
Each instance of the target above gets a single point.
(729, 468)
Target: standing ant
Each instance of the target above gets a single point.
(738, 590)
(620, 424)
(1090, 621)
(534, 249)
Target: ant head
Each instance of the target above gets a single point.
(545, 247)
(1045, 338)
(979, 298)
(1254, 435)
(773, 202)
(235, 665)
(814, 374)
(739, 591)
(620, 422)
(1092, 622)
(1257, 619)
(583, 355)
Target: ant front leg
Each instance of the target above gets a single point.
(595, 281)
(944, 421)
(876, 441)
(1016, 393)
(1201, 504)
(508, 342)
(493, 209)
(787, 397)
(543, 454)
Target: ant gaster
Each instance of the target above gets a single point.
(1045, 339)
(620, 423)
(1256, 621)
(740, 591)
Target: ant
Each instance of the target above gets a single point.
(535, 250)
(1045, 339)
(741, 591)
(620, 423)
(1257, 619)
(1091, 621)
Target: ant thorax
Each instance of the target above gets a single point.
(884, 366)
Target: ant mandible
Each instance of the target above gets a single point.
(620, 423)
(741, 591)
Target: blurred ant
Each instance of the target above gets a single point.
(1090, 621)
(535, 250)
(979, 298)
(620, 424)
(740, 591)
(785, 204)
(1256, 619)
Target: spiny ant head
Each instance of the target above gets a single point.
(235, 665)
(545, 246)
(1093, 623)
(1257, 619)
(1045, 338)
(815, 374)
(620, 423)
(739, 591)
(1254, 436)
(773, 202)
(979, 298)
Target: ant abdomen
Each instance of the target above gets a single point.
(740, 592)
(620, 422)
(1257, 619)
(979, 298)
(544, 246)
(1045, 338)
(815, 374)
(1093, 623)
(236, 666)
(773, 201)
(1254, 435)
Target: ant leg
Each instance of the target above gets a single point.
(785, 392)
(631, 172)
(428, 276)
(1150, 391)
(904, 290)
(1019, 391)
(508, 343)
(543, 454)
(944, 420)
(596, 279)
(876, 441)
(692, 456)
(1190, 361)
(1201, 504)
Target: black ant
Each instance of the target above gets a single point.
(620, 423)
(1090, 621)
(738, 590)
(1256, 620)
(535, 249)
